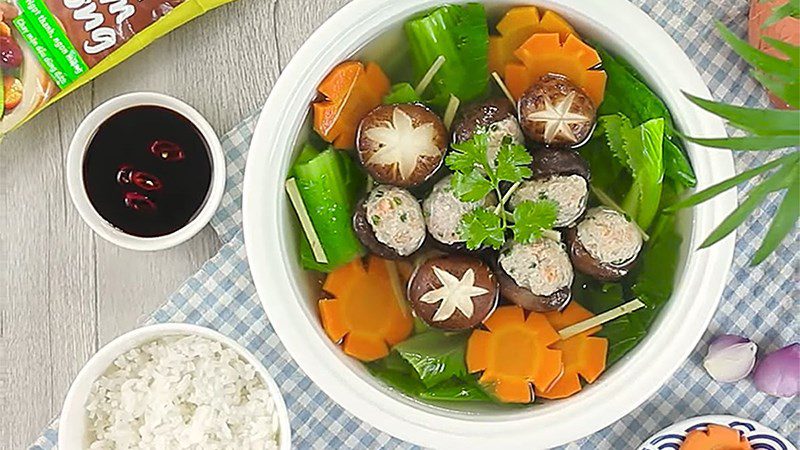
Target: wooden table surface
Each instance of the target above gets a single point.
(64, 292)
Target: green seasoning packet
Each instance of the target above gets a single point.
(66, 43)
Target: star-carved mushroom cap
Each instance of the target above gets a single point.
(453, 292)
(401, 145)
(555, 112)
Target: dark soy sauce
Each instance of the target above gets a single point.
(147, 171)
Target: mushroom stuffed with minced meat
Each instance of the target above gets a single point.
(536, 276)
(389, 222)
(604, 245)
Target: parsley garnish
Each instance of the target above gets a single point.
(475, 177)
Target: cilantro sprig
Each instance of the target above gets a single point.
(475, 177)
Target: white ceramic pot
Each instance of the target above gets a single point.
(72, 424)
(289, 295)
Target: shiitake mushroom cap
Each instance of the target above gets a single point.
(585, 263)
(424, 280)
(425, 165)
(548, 162)
(481, 115)
(555, 89)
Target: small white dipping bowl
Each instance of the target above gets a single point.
(372, 30)
(72, 425)
(77, 188)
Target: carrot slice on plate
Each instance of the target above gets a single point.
(544, 53)
(715, 437)
(584, 355)
(350, 91)
(514, 355)
(516, 27)
(364, 313)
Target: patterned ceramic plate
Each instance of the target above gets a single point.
(760, 437)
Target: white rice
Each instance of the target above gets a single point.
(181, 392)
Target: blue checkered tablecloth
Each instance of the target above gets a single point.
(758, 302)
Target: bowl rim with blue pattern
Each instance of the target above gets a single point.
(759, 436)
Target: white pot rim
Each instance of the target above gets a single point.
(626, 386)
(80, 198)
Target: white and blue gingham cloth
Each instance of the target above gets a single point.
(758, 302)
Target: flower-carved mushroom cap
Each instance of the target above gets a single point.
(556, 112)
(402, 145)
(453, 292)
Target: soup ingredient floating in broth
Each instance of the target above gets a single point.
(495, 117)
(181, 392)
(555, 112)
(453, 292)
(402, 145)
(363, 313)
(516, 26)
(460, 34)
(536, 275)
(350, 91)
(604, 245)
(389, 222)
(514, 354)
(584, 355)
(544, 53)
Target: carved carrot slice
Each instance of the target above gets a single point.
(364, 314)
(716, 437)
(350, 91)
(514, 354)
(516, 27)
(544, 53)
(584, 356)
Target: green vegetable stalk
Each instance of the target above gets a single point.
(328, 182)
(461, 35)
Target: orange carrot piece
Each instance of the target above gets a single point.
(544, 53)
(350, 91)
(514, 355)
(364, 313)
(716, 437)
(516, 27)
(584, 356)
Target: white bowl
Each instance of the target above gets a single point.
(288, 294)
(77, 190)
(72, 424)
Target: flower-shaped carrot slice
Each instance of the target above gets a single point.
(584, 355)
(516, 26)
(365, 314)
(544, 53)
(350, 91)
(716, 437)
(514, 353)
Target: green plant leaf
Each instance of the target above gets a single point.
(777, 181)
(456, 390)
(790, 9)
(436, 356)
(784, 221)
(791, 51)
(788, 92)
(401, 93)
(482, 226)
(512, 163)
(469, 154)
(756, 120)
(749, 143)
(713, 191)
(471, 187)
(532, 218)
(772, 65)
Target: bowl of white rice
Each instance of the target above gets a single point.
(174, 386)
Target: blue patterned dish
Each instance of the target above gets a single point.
(760, 437)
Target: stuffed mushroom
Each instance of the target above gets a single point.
(496, 118)
(561, 176)
(555, 112)
(453, 292)
(402, 145)
(443, 212)
(536, 276)
(605, 244)
(389, 222)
